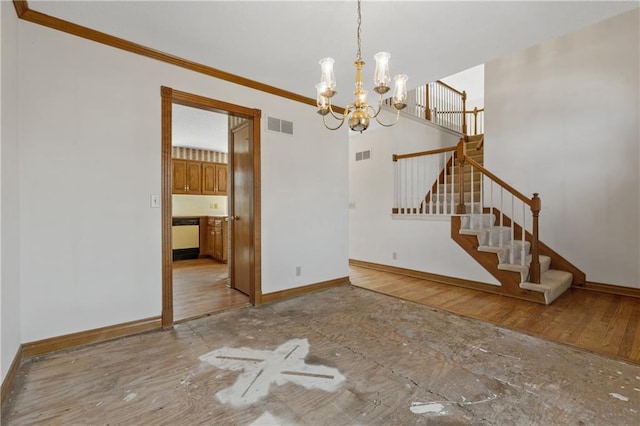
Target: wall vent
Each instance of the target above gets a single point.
(280, 126)
(363, 155)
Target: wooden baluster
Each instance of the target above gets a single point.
(534, 269)
(461, 153)
(464, 112)
(475, 120)
(427, 109)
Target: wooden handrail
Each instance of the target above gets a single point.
(449, 87)
(397, 157)
(499, 181)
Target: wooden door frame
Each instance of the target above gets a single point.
(170, 96)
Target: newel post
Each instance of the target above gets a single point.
(464, 112)
(461, 152)
(427, 108)
(534, 268)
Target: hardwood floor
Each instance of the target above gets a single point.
(599, 322)
(200, 288)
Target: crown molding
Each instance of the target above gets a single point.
(33, 16)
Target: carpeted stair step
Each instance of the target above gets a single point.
(494, 239)
(545, 264)
(477, 221)
(445, 207)
(446, 187)
(467, 177)
(552, 283)
(447, 197)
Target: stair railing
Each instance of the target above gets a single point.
(414, 190)
(475, 118)
(439, 103)
(446, 106)
(453, 171)
(494, 198)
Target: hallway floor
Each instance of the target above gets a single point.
(200, 288)
(341, 356)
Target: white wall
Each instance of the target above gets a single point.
(373, 234)
(563, 120)
(471, 81)
(91, 248)
(9, 200)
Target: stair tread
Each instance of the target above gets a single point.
(471, 231)
(552, 283)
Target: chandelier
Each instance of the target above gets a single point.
(359, 112)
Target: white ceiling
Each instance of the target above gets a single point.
(280, 42)
(199, 128)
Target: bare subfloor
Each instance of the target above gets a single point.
(372, 359)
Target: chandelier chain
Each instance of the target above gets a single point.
(359, 55)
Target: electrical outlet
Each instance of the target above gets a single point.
(298, 271)
(394, 255)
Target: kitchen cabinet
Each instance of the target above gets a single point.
(186, 177)
(217, 245)
(196, 177)
(214, 178)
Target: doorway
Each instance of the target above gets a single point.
(210, 283)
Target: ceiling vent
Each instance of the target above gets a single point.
(280, 126)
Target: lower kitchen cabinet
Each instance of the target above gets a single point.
(217, 245)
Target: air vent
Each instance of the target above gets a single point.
(280, 126)
(286, 127)
(273, 124)
(363, 155)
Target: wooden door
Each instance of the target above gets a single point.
(241, 265)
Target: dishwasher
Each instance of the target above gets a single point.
(185, 237)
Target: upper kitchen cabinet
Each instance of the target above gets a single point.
(187, 177)
(214, 179)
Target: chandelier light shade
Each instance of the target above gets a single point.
(359, 113)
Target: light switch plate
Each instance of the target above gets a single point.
(155, 200)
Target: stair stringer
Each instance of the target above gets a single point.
(509, 281)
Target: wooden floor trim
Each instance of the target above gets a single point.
(298, 291)
(96, 335)
(7, 382)
(611, 289)
(443, 279)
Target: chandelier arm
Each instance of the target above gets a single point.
(389, 125)
(324, 121)
(344, 115)
(376, 112)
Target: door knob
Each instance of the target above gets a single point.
(234, 217)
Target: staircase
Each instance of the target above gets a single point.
(525, 267)
(494, 248)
